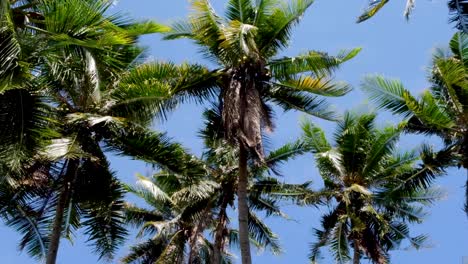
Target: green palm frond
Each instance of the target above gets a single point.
(384, 144)
(101, 199)
(389, 94)
(284, 153)
(155, 148)
(315, 137)
(371, 10)
(146, 252)
(290, 99)
(267, 205)
(27, 125)
(339, 242)
(277, 27)
(174, 251)
(318, 63)
(317, 86)
(152, 89)
(137, 216)
(240, 10)
(261, 233)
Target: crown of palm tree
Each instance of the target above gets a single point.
(374, 190)
(245, 44)
(442, 110)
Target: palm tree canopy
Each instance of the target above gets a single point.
(245, 44)
(198, 199)
(72, 87)
(442, 110)
(373, 189)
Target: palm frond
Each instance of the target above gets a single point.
(290, 99)
(146, 252)
(318, 63)
(27, 125)
(371, 10)
(459, 14)
(155, 148)
(389, 94)
(318, 86)
(261, 233)
(277, 27)
(240, 10)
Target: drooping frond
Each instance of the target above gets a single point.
(318, 63)
(261, 233)
(371, 10)
(153, 89)
(146, 252)
(155, 148)
(291, 99)
(27, 125)
(459, 11)
(318, 86)
(101, 198)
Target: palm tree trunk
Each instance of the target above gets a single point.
(357, 254)
(219, 233)
(243, 207)
(193, 240)
(59, 212)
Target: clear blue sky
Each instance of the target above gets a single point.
(391, 46)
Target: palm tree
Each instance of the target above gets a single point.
(373, 191)
(78, 92)
(250, 74)
(441, 110)
(185, 207)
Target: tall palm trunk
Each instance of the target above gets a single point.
(243, 207)
(62, 202)
(219, 233)
(357, 254)
(194, 238)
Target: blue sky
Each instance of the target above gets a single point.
(391, 46)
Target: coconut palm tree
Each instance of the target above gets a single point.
(185, 207)
(245, 46)
(65, 100)
(441, 110)
(373, 191)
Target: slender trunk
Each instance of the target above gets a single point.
(219, 233)
(357, 254)
(193, 240)
(59, 212)
(193, 246)
(243, 207)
